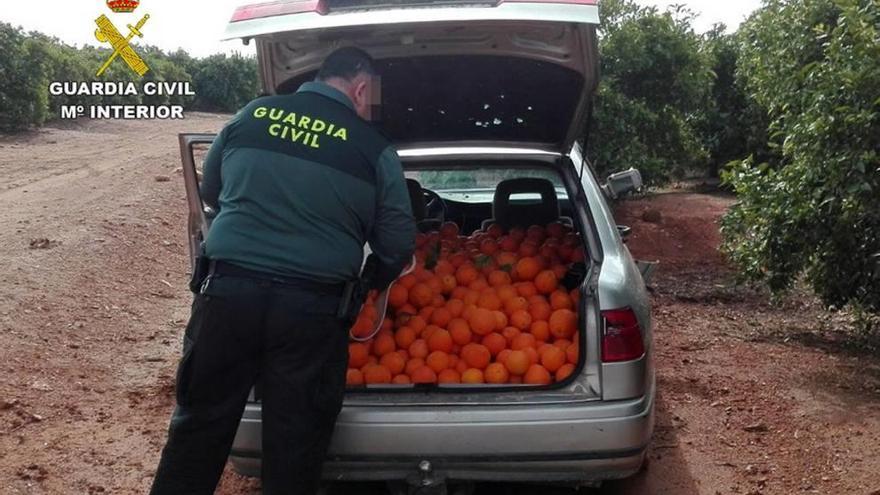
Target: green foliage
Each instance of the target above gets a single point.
(814, 210)
(29, 62)
(655, 81)
(23, 81)
(226, 83)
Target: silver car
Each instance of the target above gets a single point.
(479, 96)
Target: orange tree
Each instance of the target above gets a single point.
(814, 211)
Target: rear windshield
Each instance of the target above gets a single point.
(463, 98)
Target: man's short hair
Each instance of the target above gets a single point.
(346, 63)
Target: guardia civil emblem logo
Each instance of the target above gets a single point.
(107, 33)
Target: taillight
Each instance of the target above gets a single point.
(281, 7)
(622, 340)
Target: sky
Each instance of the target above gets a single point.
(196, 25)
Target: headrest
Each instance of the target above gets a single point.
(416, 198)
(537, 212)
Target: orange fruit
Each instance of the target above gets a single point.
(461, 366)
(506, 292)
(526, 269)
(495, 231)
(510, 333)
(404, 337)
(482, 321)
(449, 230)
(517, 362)
(428, 331)
(540, 311)
(495, 342)
(408, 281)
(562, 343)
(507, 259)
(472, 375)
(440, 340)
(515, 380)
(500, 319)
(515, 304)
(571, 353)
(498, 278)
(421, 295)
(455, 307)
(413, 364)
(522, 341)
(426, 313)
(441, 317)
(537, 375)
(526, 289)
(532, 353)
(383, 344)
(438, 361)
(448, 376)
(541, 330)
(563, 323)
(509, 244)
(546, 282)
(354, 377)
(376, 373)
(444, 267)
(438, 301)
(536, 233)
(394, 362)
(490, 301)
(528, 248)
(471, 298)
(476, 355)
(448, 283)
(417, 323)
(553, 359)
(521, 319)
(466, 275)
(496, 373)
(488, 246)
(398, 295)
(358, 354)
(423, 375)
(502, 356)
(435, 284)
(401, 380)
(460, 331)
(418, 349)
(561, 300)
(559, 271)
(479, 285)
(362, 327)
(459, 292)
(564, 372)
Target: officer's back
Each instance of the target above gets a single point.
(302, 176)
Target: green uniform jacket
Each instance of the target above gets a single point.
(302, 183)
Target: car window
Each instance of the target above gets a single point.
(478, 185)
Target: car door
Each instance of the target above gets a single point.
(199, 216)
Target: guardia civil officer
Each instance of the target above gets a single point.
(301, 182)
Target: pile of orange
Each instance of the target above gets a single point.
(481, 309)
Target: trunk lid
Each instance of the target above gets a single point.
(497, 71)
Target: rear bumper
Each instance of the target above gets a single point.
(578, 442)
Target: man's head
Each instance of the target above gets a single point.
(351, 71)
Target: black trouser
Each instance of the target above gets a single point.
(241, 329)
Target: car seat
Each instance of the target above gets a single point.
(542, 212)
(419, 208)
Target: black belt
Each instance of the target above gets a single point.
(223, 268)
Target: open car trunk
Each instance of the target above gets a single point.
(467, 184)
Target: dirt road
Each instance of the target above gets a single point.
(754, 398)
